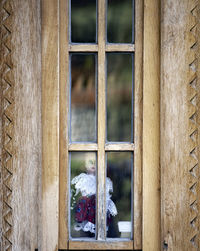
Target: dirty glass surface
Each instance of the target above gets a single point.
(120, 17)
(83, 98)
(119, 97)
(119, 170)
(83, 21)
(82, 194)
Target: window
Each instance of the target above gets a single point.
(100, 110)
(103, 115)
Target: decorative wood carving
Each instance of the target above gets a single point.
(194, 128)
(7, 86)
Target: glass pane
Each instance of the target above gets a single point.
(119, 169)
(83, 194)
(83, 21)
(119, 21)
(119, 97)
(83, 98)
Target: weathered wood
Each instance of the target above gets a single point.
(83, 47)
(50, 126)
(100, 245)
(64, 197)
(138, 106)
(6, 125)
(197, 52)
(83, 147)
(120, 47)
(179, 129)
(119, 147)
(151, 127)
(108, 47)
(101, 184)
(26, 135)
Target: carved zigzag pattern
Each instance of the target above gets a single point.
(7, 85)
(193, 127)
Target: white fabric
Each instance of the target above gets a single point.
(85, 226)
(86, 185)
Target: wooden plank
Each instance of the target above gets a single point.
(83, 47)
(101, 184)
(119, 147)
(138, 106)
(83, 147)
(24, 60)
(50, 125)
(108, 48)
(120, 47)
(64, 197)
(151, 127)
(104, 245)
(179, 127)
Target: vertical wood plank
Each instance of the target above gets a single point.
(101, 184)
(64, 197)
(50, 125)
(151, 127)
(21, 126)
(179, 128)
(138, 94)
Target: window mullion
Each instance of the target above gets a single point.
(101, 183)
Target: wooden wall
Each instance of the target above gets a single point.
(21, 126)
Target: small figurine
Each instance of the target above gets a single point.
(85, 183)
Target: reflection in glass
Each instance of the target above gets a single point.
(83, 194)
(83, 98)
(119, 97)
(119, 169)
(119, 21)
(83, 21)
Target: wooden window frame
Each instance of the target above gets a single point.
(55, 66)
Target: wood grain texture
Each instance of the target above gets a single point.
(83, 147)
(101, 245)
(193, 97)
(26, 152)
(119, 147)
(197, 52)
(101, 184)
(120, 47)
(50, 126)
(151, 127)
(179, 129)
(64, 194)
(83, 47)
(138, 109)
(6, 124)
